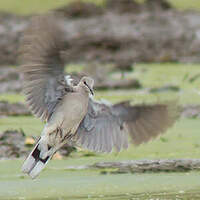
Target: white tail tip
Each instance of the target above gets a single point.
(35, 163)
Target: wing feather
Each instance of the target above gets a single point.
(107, 126)
(43, 66)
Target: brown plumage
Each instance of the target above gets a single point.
(71, 115)
(42, 65)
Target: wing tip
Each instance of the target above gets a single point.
(166, 114)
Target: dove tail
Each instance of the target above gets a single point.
(37, 159)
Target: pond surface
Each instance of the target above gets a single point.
(59, 183)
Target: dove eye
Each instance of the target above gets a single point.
(84, 82)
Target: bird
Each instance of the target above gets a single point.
(70, 112)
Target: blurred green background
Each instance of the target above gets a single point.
(29, 6)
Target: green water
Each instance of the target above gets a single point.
(56, 182)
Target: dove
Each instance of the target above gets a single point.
(70, 113)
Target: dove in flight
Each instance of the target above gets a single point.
(72, 116)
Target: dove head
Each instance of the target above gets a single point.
(87, 84)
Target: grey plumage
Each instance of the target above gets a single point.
(108, 126)
(71, 115)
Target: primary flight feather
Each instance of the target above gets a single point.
(71, 115)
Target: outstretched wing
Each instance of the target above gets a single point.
(43, 66)
(108, 126)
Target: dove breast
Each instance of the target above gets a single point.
(69, 113)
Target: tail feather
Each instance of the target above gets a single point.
(37, 159)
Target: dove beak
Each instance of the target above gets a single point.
(91, 91)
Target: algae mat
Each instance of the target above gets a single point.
(90, 184)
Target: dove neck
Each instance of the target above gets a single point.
(81, 89)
